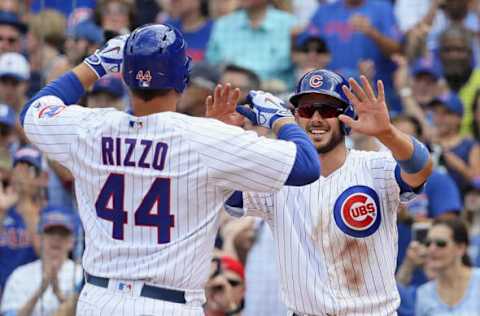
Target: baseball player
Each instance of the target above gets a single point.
(336, 239)
(150, 184)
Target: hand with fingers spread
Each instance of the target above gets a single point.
(373, 118)
(222, 105)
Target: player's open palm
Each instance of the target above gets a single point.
(373, 118)
(222, 105)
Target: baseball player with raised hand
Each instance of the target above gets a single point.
(150, 183)
(336, 239)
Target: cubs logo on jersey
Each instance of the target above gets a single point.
(51, 111)
(357, 211)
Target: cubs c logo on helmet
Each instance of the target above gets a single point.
(316, 81)
(357, 211)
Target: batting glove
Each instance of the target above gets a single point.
(109, 58)
(263, 108)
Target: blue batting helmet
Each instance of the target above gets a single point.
(322, 81)
(154, 58)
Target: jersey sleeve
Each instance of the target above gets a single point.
(240, 160)
(54, 127)
(386, 171)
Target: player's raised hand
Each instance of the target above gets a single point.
(109, 58)
(373, 118)
(264, 108)
(222, 105)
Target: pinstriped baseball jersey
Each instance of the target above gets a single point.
(336, 238)
(150, 188)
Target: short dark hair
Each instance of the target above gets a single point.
(148, 95)
(252, 76)
(459, 234)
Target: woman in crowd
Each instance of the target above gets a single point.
(456, 287)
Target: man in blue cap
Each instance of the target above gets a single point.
(460, 154)
(107, 92)
(82, 40)
(14, 75)
(11, 32)
(40, 287)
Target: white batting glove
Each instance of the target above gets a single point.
(264, 108)
(109, 58)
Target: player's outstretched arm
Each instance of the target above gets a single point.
(267, 110)
(70, 87)
(373, 120)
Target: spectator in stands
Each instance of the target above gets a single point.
(203, 80)
(21, 198)
(115, 17)
(219, 8)
(45, 41)
(40, 287)
(460, 154)
(226, 287)
(310, 51)
(191, 18)
(8, 140)
(475, 125)
(417, 86)
(256, 37)
(107, 91)
(456, 288)
(14, 75)
(246, 80)
(456, 57)
(11, 32)
(356, 30)
(82, 40)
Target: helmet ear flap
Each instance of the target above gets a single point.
(349, 111)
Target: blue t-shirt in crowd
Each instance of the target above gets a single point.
(407, 300)
(196, 41)
(15, 245)
(349, 47)
(66, 7)
(462, 150)
(429, 303)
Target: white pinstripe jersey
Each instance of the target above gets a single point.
(336, 238)
(149, 189)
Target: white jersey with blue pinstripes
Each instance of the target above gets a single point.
(336, 238)
(149, 189)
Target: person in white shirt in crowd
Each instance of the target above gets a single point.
(40, 287)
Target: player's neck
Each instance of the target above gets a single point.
(333, 160)
(167, 103)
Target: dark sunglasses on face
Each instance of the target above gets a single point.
(9, 39)
(326, 111)
(440, 243)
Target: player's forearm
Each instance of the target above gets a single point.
(387, 46)
(85, 75)
(413, 158)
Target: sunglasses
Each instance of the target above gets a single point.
(234, 283)
(326, 111)
(318, 50)
(9, 39)
(440, 243)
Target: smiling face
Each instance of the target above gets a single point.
(442, 251)
(325, 133)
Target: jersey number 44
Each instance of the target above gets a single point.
(110, 206)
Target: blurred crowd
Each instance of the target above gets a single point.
(426, 52)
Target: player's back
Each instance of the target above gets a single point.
(145, 201)
(149, 188)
